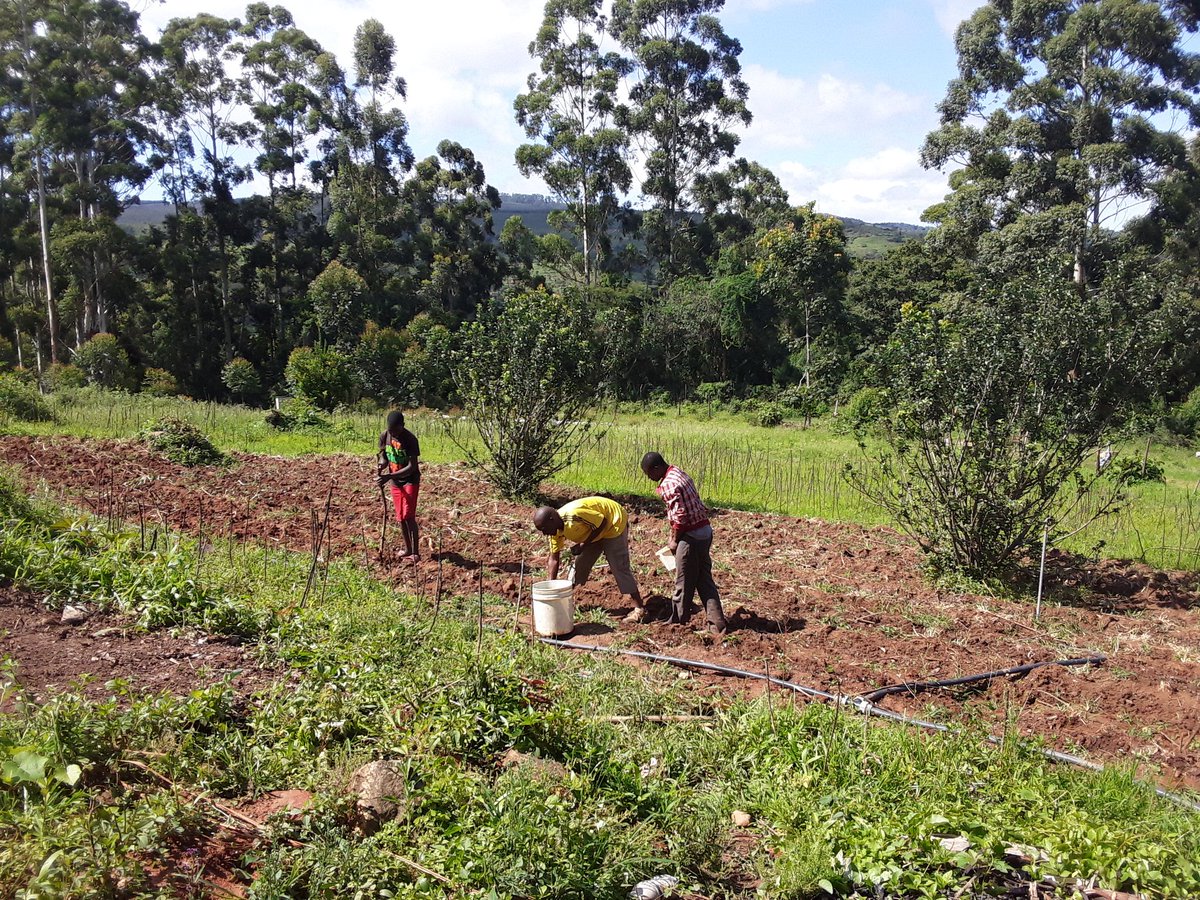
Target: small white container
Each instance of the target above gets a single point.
(667, 558)
(553, 607)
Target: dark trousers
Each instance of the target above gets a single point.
(693, 572)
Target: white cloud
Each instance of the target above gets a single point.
(888, 186)
(950, 13)
(795, 112)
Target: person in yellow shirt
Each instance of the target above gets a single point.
(592, 525)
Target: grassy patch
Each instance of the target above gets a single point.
(836, 803)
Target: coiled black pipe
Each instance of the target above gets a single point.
(913, 687)
(859, 704)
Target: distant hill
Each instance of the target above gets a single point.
(865, 239)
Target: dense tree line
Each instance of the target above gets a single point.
(352, 274)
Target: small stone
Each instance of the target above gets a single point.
(382, 794)
(955, 844)
(74, 615)
(739, 818)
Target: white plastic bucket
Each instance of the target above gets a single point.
(553, 607)
(667, 558)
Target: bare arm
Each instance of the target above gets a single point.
(552, 563)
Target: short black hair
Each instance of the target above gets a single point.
(653, 460)
(395, 419)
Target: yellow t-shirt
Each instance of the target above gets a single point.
(581, 519)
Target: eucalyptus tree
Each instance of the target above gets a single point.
(200, 96)
(686, 98)
(1062, 114)
(25, 56)
(366, 155)
(454, 251)
(570, 111)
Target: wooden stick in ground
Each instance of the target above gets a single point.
(383, 527)
(317, 547)
(520, 588)
(479, 634)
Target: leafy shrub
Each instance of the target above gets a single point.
(864, 410)
(64, 377)
(159, 383)
(766, 415)
(1184, 419)
(528, 378)
(182, 443)
(296, 416)
(1127, 470)
(321, 376)
(20, 400)
(713, 392)
(241, 379)
(104, 362)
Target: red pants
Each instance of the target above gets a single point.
(404, 499)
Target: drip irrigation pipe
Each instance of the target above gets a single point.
(859, 704)
(913, 687)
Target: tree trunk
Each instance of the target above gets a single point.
(51, 309)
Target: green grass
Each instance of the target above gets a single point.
(836, 802)
(791, 470)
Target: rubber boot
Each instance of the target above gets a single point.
(716, 616)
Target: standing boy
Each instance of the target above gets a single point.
(398, 464)
(691, 541)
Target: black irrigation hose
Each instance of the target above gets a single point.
(859, 704)
(913, 687)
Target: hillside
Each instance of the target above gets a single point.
(865, 239)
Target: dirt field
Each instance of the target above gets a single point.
(838, 607)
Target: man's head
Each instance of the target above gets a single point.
(654, 466)
(547, 520)
(395, 422)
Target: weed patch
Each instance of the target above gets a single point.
(182, 443)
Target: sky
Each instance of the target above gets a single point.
(843, 92)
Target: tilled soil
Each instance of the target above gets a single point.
(52, 656)
(834, 606)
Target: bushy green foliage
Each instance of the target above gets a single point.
(998, 401)
(241, 379)
(713, 392)
(159, 383)
(1184, 418)
(182, 443)
(529, 377)
(766, 414)
(20, 400)
(64, 377)
(321, 376)
(336, 298)
(1128, 470)
(104, 362)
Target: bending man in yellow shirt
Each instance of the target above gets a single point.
(594, 525)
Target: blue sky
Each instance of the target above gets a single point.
(843, 91)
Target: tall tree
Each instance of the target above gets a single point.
(569, 110)
(27, 55)
(453, 241)
(202, 99)
(687, 96)
(1059, 118)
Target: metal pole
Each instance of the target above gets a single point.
(1037, 611)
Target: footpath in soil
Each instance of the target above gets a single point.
(838, 607)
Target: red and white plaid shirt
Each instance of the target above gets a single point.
(685, 511)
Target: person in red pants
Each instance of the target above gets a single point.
(399, 465)
(691, 542)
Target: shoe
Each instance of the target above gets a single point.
(638, 615)
(412, 558)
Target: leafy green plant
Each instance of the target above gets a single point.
(182, 443)
(104, 362)
(1128, 470)
(159, 383)
(20, 400)
(241, 379)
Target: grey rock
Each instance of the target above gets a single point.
(382, 794)
(74, 615)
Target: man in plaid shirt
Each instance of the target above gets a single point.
(691, 541)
